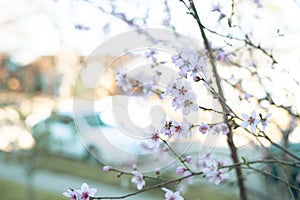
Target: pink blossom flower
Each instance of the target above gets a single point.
(134, 167)
(138, 179)
(73, 195)
(85, 193)
(170, 195)
(107, 168)
(204, 128)
(180, 170)
(189, 159)
(250, 120)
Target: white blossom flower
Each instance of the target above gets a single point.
(185, 61)
(183, 96)
(198, 68)
(211, 171)
(166, 129)
(220, 128)
(250, 120)
(170, 195)
(180, 129)
(216, 7)
(85, 193)
(151, 53)
(189, 104)
(222, 56)
(123, 80)
(266, 121)
(218, 176)
(138, 179)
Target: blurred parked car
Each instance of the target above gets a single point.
(89, 136)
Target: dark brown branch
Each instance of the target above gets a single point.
(234, 155)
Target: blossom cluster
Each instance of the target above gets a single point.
(253, 121)
(211, 169)
(83, 194)
(190, 62)
(176, 130)
(182, 96)
(146, 83)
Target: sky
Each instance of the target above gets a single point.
(33, 28)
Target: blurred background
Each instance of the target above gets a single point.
(43, 45)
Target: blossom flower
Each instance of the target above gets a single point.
(209, 166)
(265, 121)
(73, 195)
(199, 68)
(166, 129)
(221, 128)
(204, 128)
(180, 170)
(216, 7)
(123, 80)
(153, 141)
(189, 104)
(170, 195)
(222, 56)
(180, 129)
(85, 193)
(172, 86)
(151, 54)
(189, 159)
(211, 171)
(147, 83)
(218, 176)
(149, 88)
(185, 61)
(189, 61)
(107, 168)
(138, 179)
(250, 120)
(182, 95)
(247, 97)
